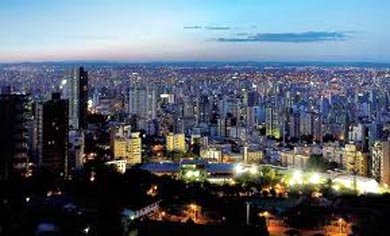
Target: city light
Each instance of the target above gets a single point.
(86, 230)
(314, 178)
(192, 174)
(239, 169)
(296, 178)
(135, 118)
(253, 170)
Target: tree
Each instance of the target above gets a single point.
(269, 176)
(175, 155)
(317, 162)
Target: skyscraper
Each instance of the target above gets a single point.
(272, 122)
(14, 117)
(77, 93)
(142, 103)
(52, 134)
(380, 162)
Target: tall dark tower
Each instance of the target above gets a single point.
(53, 134)
(83, 105)
(14, 118)
(77, 93)
(204, 109)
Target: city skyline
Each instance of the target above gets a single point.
(131, 31)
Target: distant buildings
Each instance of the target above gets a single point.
(228, 113)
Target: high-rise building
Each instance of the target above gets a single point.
(14, 121)
(272, 125)
(294, 124)
(126, 145)
(76, 90)
(52, 134)
(380, 162)
(175, 142)
(188, 108)
(355, 161)
(76, 150)
(253, 98)
(306, 123)
(203, 109)
(143, 103)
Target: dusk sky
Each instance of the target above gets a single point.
(174, 30)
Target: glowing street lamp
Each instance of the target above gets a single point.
(86, 230)
(341, 224)
(266, 215)
(194, 208)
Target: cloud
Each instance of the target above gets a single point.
(302, 37)
(207, 27)
(242, 34)
(193, 27)
(217, 27)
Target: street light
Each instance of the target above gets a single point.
(341, 225)
(266, 215)
(86, 230)
(193, 208)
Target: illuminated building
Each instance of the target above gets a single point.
(120, 165)
(297, 158)
(254, 156)
(169, 98)
(355, 161)
(142, 103)
(272, 124)
(380, 164)
(333, 153)
(76, 90)
(293, 159)
(175, 142)
(14, 117)
(52, 126)
(126, 145)
(203, 141)
(211, 153)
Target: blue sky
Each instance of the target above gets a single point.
(173, 30)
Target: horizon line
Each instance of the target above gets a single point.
(89, 61)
